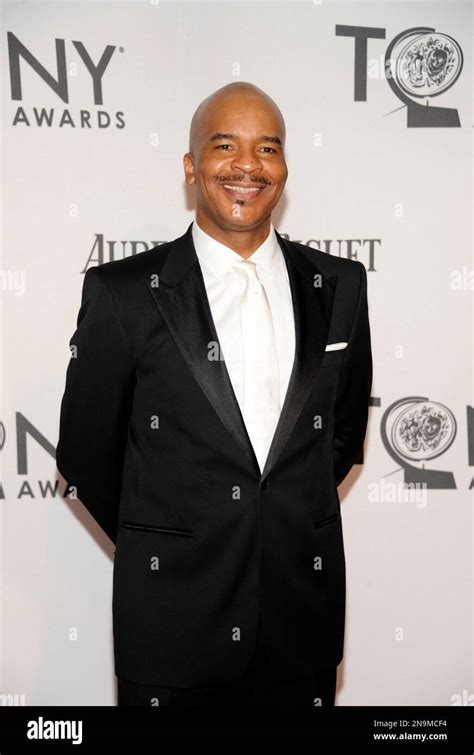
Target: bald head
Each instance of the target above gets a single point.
(241, 95)
(236, 161)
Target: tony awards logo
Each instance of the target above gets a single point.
(420, 64)
(415, 431)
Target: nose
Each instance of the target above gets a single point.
(246, 161)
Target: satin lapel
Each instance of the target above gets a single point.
(312, 307)
(182, 299)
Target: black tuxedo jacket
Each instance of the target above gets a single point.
(152, 436)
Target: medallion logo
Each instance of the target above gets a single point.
(415, 430)
(419, 64)
(424, 64)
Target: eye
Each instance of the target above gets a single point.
(222, 146)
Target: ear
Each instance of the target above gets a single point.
(188, 164)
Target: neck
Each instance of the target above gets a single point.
(243, 241)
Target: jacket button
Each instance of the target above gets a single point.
(264, 485)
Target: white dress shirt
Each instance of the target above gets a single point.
(224, 291)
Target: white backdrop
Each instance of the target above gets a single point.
(357, 171)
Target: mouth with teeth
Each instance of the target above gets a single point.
(243, 191)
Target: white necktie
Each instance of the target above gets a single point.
(261, 400)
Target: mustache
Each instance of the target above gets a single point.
(242, 179)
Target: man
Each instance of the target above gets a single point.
(217, 396)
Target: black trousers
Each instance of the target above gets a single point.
(256, 687)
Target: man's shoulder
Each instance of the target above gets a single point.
(127, 271)
(349, 274)
(136, 263)
(329, 264)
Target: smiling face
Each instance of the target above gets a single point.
(236, 160)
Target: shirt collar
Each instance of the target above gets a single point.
(219, 258)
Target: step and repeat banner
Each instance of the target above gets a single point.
(97, 99)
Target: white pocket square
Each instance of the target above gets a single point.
(336, 346)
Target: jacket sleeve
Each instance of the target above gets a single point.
(352, 400)
(96, 404)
